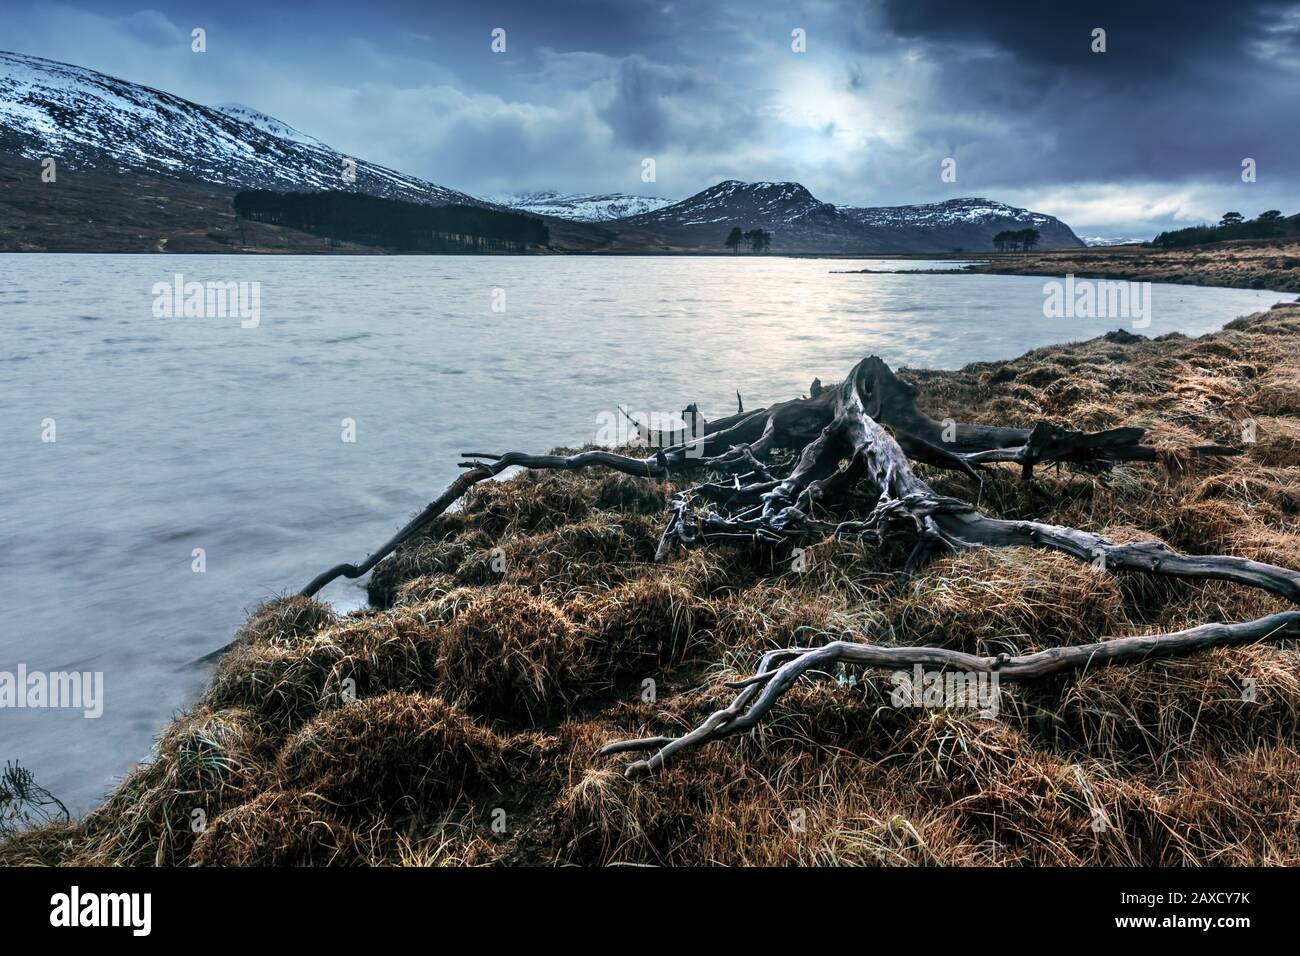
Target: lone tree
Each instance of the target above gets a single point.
(1231, 219)
(838, 463)
(734, 238)
(1270, 222)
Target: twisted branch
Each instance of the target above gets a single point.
(780, 670)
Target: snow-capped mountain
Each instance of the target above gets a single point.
(764, 203)
(578, 207)
(269, 124)
(947, 213)
(1112, 241)
(967, 224)
(800, 222)
(94, 121)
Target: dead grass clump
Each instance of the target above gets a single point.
(1145, 597)
(646, 625)
(1241, 811)
(1207, 601)
(1010, 600)
(284, 621)
(1278, 392)
(47, 845)
(427, 587)
(846, 714)
(507, 653)
(766, 616)
(1271, 494)
(420, 558)
(530, 502)
(709, 573)
(278, 828)
(394, 755)
(629, 495)
(283, 686)
(792, 793)
(709, 808)
(953, 753)
(205, 764)
(850, 571)
(1277, 442)
(1226, 698)
(1207, 526)
(602, 549)
(1043, 811)
(396, 650)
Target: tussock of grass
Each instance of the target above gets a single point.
(207, 763)
(397, 755)
(279, 828)
(505, 652)
(1008, 601)
(532, 627)
(284, 621)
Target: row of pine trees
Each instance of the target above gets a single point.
(1016, 240)
(760, 240)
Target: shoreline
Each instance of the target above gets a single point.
(1272, 265)
(1265, 265)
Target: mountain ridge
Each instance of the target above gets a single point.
(800, 222)
(46, 109)
(98, 123)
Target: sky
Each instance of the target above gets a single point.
(1148, 135)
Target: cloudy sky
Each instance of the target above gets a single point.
(1147, 135)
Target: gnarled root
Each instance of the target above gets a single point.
(779, 670)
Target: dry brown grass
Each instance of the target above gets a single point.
(396, 755)
(279, 828)
(392, 735)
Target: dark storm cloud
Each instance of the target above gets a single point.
(1157, 42)
(1181, 90)
(1147, 135)
(640, 112)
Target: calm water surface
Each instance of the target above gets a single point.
(177, 434)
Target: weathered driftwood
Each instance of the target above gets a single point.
(779, 670)
(846, 455)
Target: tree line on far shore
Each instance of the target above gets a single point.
(1269, 224)
(392, 223)
(759, 240)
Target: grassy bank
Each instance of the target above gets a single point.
(457, 720)
(1255, 264)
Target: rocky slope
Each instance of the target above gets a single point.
(92, 121)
